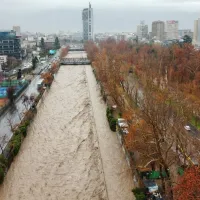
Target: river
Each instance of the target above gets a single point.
(70, 152)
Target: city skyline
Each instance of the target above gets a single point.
(67, 16)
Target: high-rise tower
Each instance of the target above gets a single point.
(158, 30)
(87, 17)
(172, 29)
(142, 30)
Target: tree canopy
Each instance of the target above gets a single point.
(34, 62)
(189, 184)
(57, 43)
(42, 44)
(187, 39)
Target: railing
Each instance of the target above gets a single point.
(75, 61)
(76, 49)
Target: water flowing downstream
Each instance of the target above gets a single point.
(70, 153)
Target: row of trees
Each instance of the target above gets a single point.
(156, 105)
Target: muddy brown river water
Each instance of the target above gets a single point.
(70, 152)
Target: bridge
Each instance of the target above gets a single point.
(75, 61)
(76, 48)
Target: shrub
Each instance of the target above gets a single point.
(3, 161)
(17, 131)
(112, 123)
(139, 194)
(108, 111)
(110, 117)
(104, 98)
(16, 144)
(2, 172)
(27, 123)
(23, 130)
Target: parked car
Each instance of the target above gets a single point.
(154, 196)
(14, 71)
(122, 123)
(124, 131)
(40, 84)
(187, 128)
(151, 185)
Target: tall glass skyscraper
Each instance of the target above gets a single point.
(87, 17)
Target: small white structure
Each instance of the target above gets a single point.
(3, 59)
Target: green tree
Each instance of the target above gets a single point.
(34, 62)
(42, 44)
(187, 39)
(57, 43)
(136, 39)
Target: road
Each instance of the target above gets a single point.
(13, 114)
(15, 70)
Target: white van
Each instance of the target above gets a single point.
(40, 84)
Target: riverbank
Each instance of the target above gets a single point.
(118, 174)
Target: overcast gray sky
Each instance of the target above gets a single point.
(109, 15)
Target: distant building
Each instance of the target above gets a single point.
(10, 44)
(195, 35)
(158, 30)
(87, 17)
(184, 32)
(198, 32)
(30, 38)
(142, 30)
(3, 59)
(49, 44)
(77, 36)
(121, 37)
(17, 29)
(172, 30)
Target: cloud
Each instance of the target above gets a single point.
(109, 15)
(34, 5)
